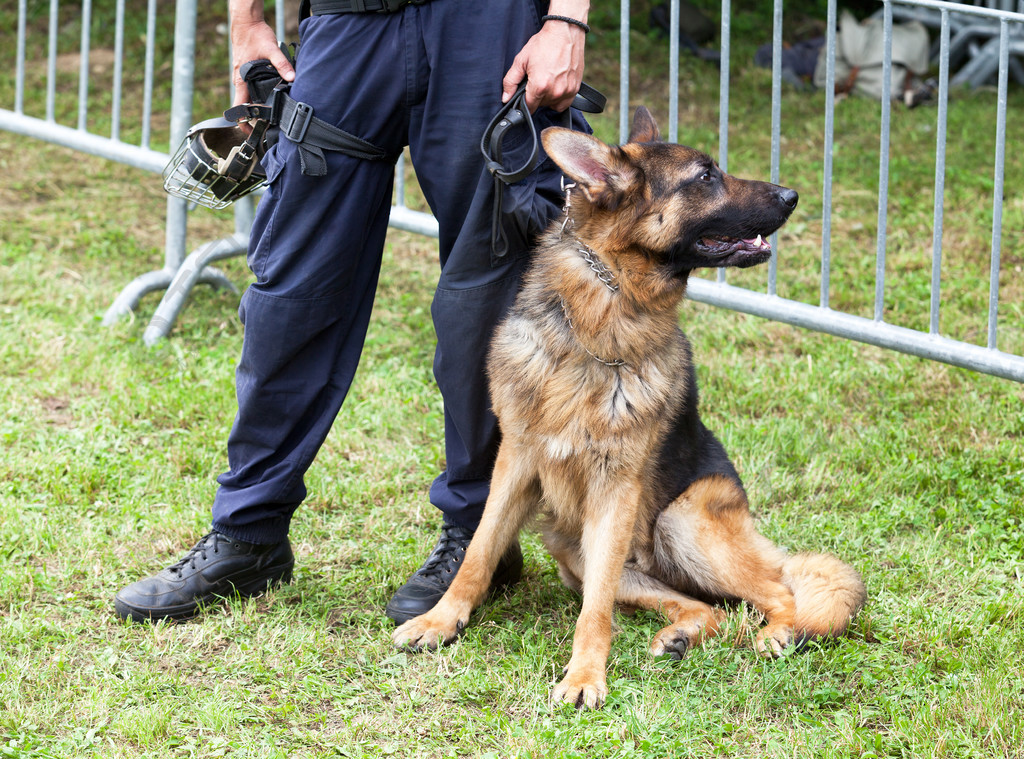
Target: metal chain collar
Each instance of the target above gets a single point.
(614, 362)
(606, 275)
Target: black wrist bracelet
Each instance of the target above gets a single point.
(566, 19)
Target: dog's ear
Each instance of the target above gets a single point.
(645, 128)
(601, 171)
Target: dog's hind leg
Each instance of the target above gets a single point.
(515, 495)
(690, 621)
(706, 539)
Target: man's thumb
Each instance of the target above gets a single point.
(512, 80)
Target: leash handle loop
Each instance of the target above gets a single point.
(512, 114)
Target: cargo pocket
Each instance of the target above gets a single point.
(271, 164)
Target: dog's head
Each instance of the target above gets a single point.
(669, 201)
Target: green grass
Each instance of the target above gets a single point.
(912, 471)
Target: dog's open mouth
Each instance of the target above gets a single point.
(723, 246)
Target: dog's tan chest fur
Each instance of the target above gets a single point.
(582, 422)
(576, 379)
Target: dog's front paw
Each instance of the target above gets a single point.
(773, 640)
(427, 632)
(581, 689)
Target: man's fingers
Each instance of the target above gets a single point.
(251, 42)
(556, 95)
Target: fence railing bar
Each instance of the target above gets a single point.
(773, 263)
(115, 104)
(182, 91)
(723, 87)
(940, 174)
(279, 13)
(624, 71)
(862, 329)
(723, 97)
(93, 144)
(51, 64)
(19, 66)
(83, 66)
(997, 193)
(826, 190)
(673, 72)
(972, 10)
(413, 221)
(883, 163)
(147, 99)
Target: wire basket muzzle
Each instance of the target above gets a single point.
(215, 165)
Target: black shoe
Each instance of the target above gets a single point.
(425, 588)
(216, 567)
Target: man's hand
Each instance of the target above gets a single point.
(551, 61)
(252, 39)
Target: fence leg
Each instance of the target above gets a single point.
(174, 248)
(132, 293)
(196, 270)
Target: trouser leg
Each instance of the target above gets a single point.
(315, 250)
(475, 288)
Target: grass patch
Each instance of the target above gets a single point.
(912, 471)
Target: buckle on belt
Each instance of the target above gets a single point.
(298, 122)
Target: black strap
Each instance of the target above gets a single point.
(312, 135)
(244, 161)
(512, 114)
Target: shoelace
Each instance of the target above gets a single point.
(453, 539)
(199, 548)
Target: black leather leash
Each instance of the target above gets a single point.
(513, 114)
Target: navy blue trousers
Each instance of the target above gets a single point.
(428, 77)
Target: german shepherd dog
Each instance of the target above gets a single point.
(594, 387)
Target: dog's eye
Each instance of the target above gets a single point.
(706, 176)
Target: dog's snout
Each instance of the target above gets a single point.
(789, 197)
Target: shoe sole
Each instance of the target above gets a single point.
(183, 612)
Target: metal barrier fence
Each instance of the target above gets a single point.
(1005, 33)
(996, 38)
(174, 277)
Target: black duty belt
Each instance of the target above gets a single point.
(329, 7)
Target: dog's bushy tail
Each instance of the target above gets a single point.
(828, 594)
